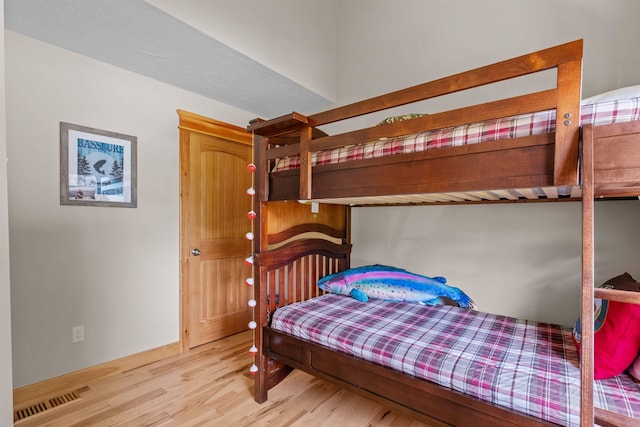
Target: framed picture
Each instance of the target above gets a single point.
(97, 167)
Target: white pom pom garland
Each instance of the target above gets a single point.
(251, 215)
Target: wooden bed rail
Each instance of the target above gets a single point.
(564, 98)
(586, 311)
(617, 158)
(609, 157)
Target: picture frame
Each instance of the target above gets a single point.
(97, 167)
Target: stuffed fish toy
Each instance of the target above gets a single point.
(394, 284)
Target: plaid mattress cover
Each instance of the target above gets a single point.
(526, 366)
(510, 127)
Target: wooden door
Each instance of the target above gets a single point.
(214, 206)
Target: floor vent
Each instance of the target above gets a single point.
(45, 405)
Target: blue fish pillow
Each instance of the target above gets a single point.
(394, 284)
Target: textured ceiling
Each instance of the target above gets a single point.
(137, 36)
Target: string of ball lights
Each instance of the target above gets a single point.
(251, 215)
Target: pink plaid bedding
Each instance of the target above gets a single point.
(526, 366)
(510, 127)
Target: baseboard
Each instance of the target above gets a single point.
(27, 395)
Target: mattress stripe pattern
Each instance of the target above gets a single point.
(511, 127)
(527, 366)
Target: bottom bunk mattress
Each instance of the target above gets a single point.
(522, 365)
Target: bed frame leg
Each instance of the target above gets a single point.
(270, 373)
(260, 391)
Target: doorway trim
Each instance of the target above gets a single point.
(191, 122)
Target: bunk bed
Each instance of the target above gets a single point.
(296, 244)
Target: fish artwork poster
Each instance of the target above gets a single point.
(98, 168)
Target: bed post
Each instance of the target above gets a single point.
(305, 163)
(569, 80)
(586, 316)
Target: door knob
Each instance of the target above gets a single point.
(195, 252)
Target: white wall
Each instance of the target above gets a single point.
(296, 38)
(398, 44)
(6, 380)
(113, 270)
(522, 260)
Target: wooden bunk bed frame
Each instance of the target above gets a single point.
(545, 160)
(294, 247)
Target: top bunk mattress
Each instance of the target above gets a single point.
(522, 365)
(621, 105)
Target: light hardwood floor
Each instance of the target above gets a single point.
(211, 386)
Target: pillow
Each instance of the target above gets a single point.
(628, 92)
(393, 284)
(400, 118)
(616, 331)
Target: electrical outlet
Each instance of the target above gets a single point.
(77, 333)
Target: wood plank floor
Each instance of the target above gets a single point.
(211, 386)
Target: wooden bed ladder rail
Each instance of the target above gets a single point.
(586, 314)
(589, 414)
